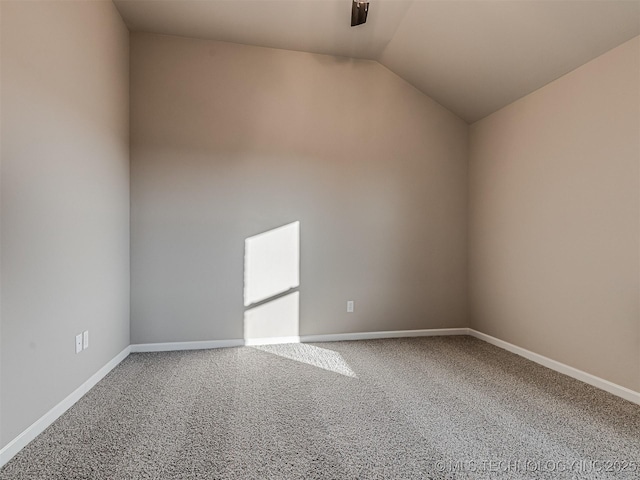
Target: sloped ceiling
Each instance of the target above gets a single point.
(473, 57)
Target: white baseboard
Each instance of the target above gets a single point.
(332, 337)
(18, 443)
(173, 346)
(340, 337)
(271, 341)
(585, 377)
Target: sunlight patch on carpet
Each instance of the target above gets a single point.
(311, 355)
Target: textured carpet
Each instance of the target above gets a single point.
(449, 407)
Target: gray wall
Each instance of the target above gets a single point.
(228, 141)
(64, 200)
(554, 219)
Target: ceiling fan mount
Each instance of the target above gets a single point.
(359, 10)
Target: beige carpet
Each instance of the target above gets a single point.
(449, 407)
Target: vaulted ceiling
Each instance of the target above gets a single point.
(471, 56)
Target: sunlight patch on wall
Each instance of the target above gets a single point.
(311, 355)
(277, 318)
(271, 277)
(271, 263)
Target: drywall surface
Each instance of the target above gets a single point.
(230, 141)
(554, 219)
(64, 200)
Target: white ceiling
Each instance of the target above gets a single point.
(472, 56)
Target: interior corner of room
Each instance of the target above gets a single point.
(166, 189)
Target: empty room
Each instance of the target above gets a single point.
(319, 239)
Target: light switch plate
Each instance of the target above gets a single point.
(85, 339)
(78, 343)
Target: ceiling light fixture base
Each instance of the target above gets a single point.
(359, 12)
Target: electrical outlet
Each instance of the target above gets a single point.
(350, 306)
(78, 343)
(85, 339)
